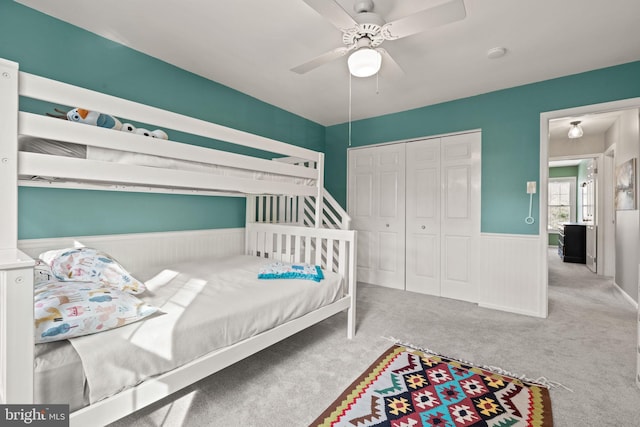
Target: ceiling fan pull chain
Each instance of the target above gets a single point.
(350, 77)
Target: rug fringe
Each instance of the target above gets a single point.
(541, 381)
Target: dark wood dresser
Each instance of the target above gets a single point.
(572, 243)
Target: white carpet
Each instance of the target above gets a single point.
(588, 343)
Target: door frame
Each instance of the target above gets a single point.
(609, 244)
(545, 117)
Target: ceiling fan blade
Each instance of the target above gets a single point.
(421, 21)
(321, 60)
(332, 12)
(390, 67)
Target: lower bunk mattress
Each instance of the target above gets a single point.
(204, 305)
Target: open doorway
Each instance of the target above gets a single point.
(615, 229)
(575, 201)
(579, 158)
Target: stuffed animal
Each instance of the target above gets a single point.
(95, 118)
(158, 133)
(128, 127)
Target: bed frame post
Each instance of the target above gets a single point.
(16, 268)
(320, 195)
(353, 286)
(251, 208)
(8, 154)
(16, 327)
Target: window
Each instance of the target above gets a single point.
(587, 200)
(562, 201)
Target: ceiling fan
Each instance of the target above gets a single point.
(364, 33)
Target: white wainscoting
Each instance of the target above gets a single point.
(511, 274)
(139, 250)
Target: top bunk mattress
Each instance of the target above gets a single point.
(32, 144)
(205, 305)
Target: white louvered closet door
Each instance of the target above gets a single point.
(376, 204)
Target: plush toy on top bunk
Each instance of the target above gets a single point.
(158, 133)
(94, 118)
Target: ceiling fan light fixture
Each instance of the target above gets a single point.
(575, 131)
(364, 62)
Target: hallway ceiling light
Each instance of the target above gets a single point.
(575, 131)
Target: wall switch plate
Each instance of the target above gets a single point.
(531, 187)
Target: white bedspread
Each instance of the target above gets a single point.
(205, 306)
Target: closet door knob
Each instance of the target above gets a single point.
(387, 225)
(423, 227)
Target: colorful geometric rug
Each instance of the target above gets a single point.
(412, 388)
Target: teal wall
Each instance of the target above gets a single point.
(48, 47)
(563, 171)
(124, 212)
(510, 123)
(509, 120)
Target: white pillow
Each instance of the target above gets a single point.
(42, 273)
(91, 265)
(72, 309)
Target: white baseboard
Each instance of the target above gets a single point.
(511, 310)
(626, 296)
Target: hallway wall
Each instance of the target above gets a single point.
(626, 135)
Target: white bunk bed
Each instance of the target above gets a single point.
(333, 249)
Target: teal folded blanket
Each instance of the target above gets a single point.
(284, 270)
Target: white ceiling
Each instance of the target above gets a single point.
(562, 163)
(592, 124)
(251, 45)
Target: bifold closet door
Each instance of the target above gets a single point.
(376, 204)
(460, 210)
(443, 216)
(423, 216)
